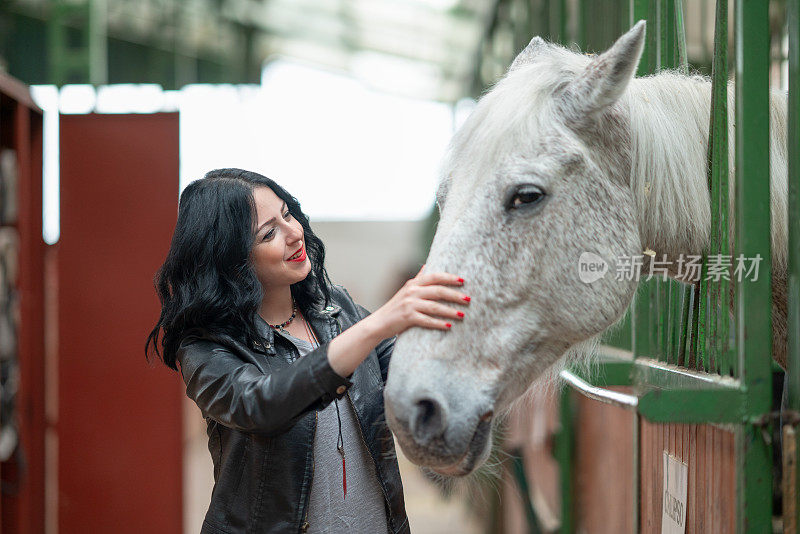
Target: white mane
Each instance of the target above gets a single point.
(669, 120)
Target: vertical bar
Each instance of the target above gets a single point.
(752, 194)
(667, 310)
(565, 456)
(793, 282)
(637, 470)
(667, 34)
(97, 42)
(624, 15)
(754, 305)
(789, 483)
(544, 16)
(680, 38)
(718, 182)
(30, 349)
(682, 306)
(639, 10)
(794, 203)
(662, 314)
(518, 472)
(654, 36)
(640, 322)
(687, 326)
(583, 25)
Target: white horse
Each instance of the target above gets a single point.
(566, 154)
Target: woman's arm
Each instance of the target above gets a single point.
(240, 396)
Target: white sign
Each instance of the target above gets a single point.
(673, 515)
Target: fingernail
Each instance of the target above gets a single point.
(467, 299)
(460, 314)
(448, 325)
(460, 280)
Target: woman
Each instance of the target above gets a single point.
(287, 370)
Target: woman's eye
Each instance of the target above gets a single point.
(269, 235)
(287, 214)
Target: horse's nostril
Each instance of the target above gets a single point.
(428, 421)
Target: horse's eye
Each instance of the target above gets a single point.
(524, 195)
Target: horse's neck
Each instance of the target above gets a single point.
(669, 142)
(669, 139)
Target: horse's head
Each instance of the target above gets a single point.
(534, 200)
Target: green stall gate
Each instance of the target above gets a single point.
(680, 379)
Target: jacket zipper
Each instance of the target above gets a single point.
(377, 470)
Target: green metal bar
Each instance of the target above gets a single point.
(668, 312)
(564, 453)
(667, 34)
(684, 343)
(654, 36)
(680, 29)
(609, 371)
(640, 321)
(752, 195)
(583, 16)
(754, 306)
(518, 470)
(624, 14)
(653, 332)
(680, 307)
(794, 204)
(87, 62)
(544, 14)
(639, 10)
(793, 281)
(660, 319)
(669, 395)
(718, 181)
(693, 406)
(641, 324)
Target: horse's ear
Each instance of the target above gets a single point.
(606, 77)
(536, 46)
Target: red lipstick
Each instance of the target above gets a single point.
(301, 257)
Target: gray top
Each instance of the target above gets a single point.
(329, 512)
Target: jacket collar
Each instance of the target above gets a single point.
(315, 315)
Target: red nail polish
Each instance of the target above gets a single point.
(460, 280)
(448, 325)
(460, 314)
(467, 299)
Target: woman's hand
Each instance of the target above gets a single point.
(416, 304)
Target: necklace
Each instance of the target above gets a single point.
(286, 323)
(340, 440)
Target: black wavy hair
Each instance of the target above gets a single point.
(207, 285)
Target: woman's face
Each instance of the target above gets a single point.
(279, 252)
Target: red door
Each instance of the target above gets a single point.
(119, 422)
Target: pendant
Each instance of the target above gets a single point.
(344, 472)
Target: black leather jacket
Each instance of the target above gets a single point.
(260, 406)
